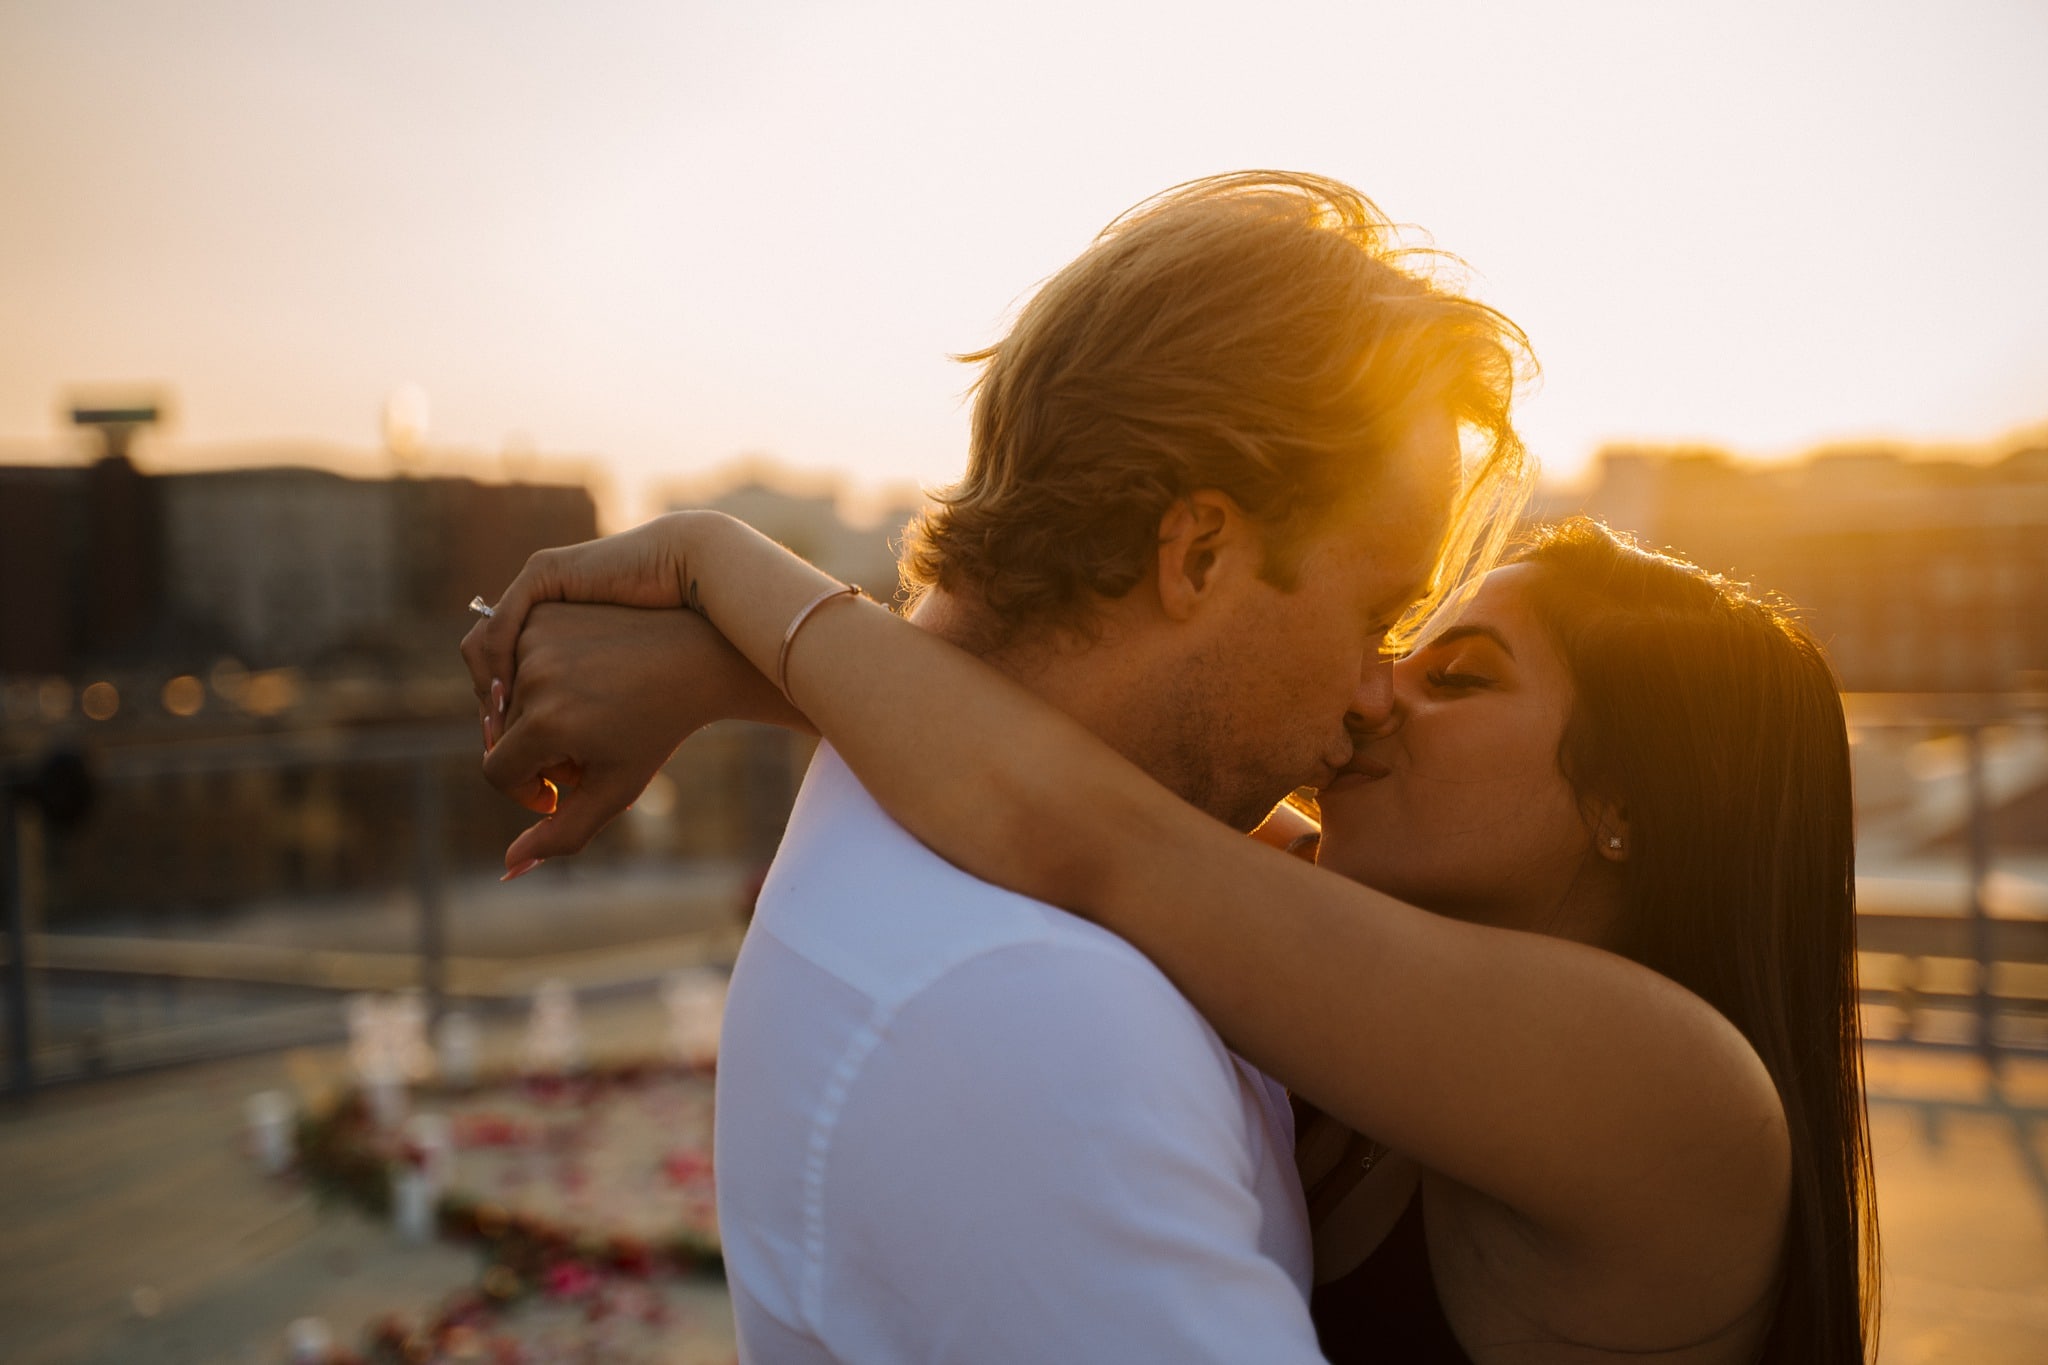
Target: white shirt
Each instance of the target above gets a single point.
(958, 1125)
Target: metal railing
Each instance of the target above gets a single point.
(2003, 956)
(40, 794)
(1976, 965)
(424, 769)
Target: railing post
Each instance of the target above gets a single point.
(427, 882)
(21, 1075)
(1980, 875)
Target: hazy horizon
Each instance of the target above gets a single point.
(656, 238)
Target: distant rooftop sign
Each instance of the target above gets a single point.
(113, 417)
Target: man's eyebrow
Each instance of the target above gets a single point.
(1457, 633)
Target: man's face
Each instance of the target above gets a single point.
(1260, 706)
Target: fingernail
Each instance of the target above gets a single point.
(488, 741)
(520, 871)
(498, 697)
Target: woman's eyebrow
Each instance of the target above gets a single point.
(1456, 633)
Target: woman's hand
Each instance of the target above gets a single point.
(637, 568)
(604, 694)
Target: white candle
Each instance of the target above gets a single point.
(270, 1129)
(414, 1193)
(433, 1138)
(309, 1341)
(365, 1035)
(554, 1041)
(386, 1095)
(407, 1016)
(696, 1005)
(456, 1041)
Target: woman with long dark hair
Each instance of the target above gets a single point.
(1704, 752)
(1573, 1025)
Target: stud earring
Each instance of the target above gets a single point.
(1614, 841)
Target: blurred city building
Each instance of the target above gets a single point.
(812, 517)
(262, 660)
(233, 647)
(1919, 575)
(262, 663)
(110, 567)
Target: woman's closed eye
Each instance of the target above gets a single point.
(1457, 682)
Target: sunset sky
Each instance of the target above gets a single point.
(664, 234)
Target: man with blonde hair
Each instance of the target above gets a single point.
(1215, 464)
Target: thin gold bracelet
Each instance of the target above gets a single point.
(796, 623)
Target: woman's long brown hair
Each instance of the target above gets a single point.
(1713, 718)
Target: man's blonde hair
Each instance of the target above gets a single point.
(1263, 334)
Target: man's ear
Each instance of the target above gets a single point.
(1203, 538)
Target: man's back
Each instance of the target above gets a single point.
(958, 1125)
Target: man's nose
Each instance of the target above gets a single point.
(1372, 712)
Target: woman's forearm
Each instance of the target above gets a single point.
(913, 715)
(1623, 1131)
(1537, 1070)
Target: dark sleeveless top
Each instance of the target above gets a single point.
(1386, 1310)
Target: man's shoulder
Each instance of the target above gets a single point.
(855, 895)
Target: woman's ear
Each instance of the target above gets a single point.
(1608, 821)
(1202, 537)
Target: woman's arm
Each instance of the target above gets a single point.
(1586, 1093)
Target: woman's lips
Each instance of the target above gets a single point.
(1357, 772)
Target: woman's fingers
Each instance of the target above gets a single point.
(490, 649)
(525, 764)
(635, 568)
(582, 812)
(487, 652)
(542, 762)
